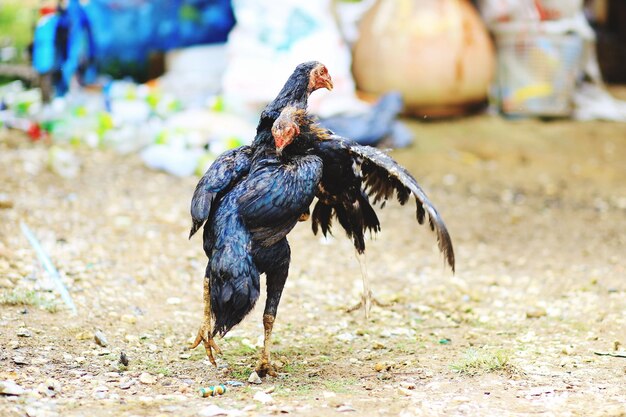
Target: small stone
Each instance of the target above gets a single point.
(408, 385)
(14, 344)
(254, 378)
(379, 367)
(345, 337)
(185, 355)
(5, 202)
(405, 392)
(84, 336)
(10, 388)
(460, 399)
(568, 350)
(112, 376)
(148, 379)
(128, 318)
(212, 411)
(173, 301)
(126, 384)
(24, 332)
(262, 397)
(345, 408)
(20, 360)
(50, 388)
(100, 338)
(247, 343)
(536, 313)
(6, 283)
(378, 346)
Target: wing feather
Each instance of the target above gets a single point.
(383, 176)
(223, 173)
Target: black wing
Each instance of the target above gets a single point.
(222, 175)
(382, 177)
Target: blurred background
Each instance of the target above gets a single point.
(186, 79)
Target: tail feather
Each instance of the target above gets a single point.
(232, 298)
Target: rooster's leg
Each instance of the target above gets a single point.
(264, 366)
(276, 278)
(205, 333)
(367, 299)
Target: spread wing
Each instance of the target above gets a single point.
(277, 193)
(228, 169)
(382, 177)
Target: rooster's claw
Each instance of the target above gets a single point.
(205, 336)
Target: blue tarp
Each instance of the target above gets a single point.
(119, 35)
(128, 30)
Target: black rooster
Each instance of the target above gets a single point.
(252, 197)
(249, 200)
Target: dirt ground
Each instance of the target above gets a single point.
(537, 213)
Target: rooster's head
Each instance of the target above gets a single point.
(319, 78)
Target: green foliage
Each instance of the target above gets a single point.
(16, 23)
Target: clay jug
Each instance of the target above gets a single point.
(437, 53)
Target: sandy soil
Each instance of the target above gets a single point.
(537, 212)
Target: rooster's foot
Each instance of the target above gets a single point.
(264, 368)
(205, 335)
(366, 302)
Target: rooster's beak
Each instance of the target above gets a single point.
(328, 83)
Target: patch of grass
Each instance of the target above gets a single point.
(155, 368)
(240, 372)
(28, 298)
(293, 367)
(233, 347)
(238, 356)
(339, 386)
(476, 362)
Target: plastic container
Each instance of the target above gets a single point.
(537, 71)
